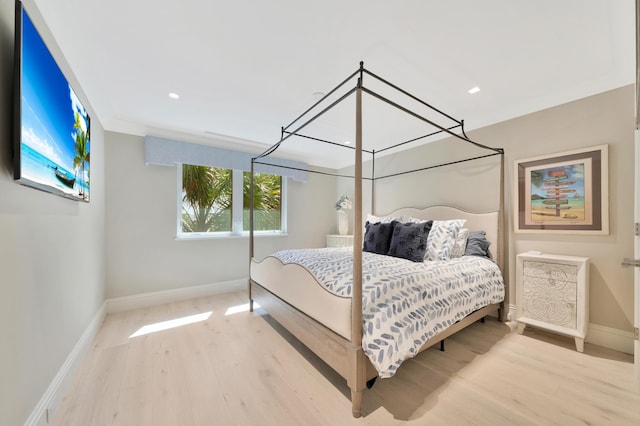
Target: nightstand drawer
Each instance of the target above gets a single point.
(550, 271)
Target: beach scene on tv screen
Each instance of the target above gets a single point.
(54, 145)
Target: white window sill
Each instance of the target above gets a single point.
(226, 235)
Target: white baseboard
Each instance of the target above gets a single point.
(611, 338)
(127, 303)
(44, 409)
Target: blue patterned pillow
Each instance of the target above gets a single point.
(409, 240)
(442, 237)
(378, 237)
(460, 245)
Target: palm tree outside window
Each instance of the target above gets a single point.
(207, 201)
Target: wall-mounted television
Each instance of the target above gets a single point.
(52, 127)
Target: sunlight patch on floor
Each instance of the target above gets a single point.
(240, 308)
(165, 325)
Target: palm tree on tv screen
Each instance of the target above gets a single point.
(82, 156)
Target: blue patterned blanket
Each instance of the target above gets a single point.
(404, 303)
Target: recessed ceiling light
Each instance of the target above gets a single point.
(473, 90)
(174, 95)
(347, 142)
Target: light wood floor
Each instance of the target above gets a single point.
(242, 369)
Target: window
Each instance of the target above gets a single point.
(267, 202)
(214, 201)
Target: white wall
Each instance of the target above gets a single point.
(606, 118)
(52, 260)
(143, 254)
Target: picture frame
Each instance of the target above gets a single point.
(563, 193)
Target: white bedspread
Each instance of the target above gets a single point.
(404, 303)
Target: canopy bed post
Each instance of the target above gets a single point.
(251, 253)
(357, 377)
(502, 238)
(373, 181)
(501, 260)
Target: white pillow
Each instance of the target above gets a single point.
(412, 219)
(383, 219)
(460, 244)
(442, 237)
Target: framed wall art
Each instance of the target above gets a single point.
(564, 193)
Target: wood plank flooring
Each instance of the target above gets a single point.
(243, 369)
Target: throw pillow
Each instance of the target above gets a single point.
(409, 240)
(377, 237)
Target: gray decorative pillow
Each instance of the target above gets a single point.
(477, 244)
(378, 237)
(409, 240)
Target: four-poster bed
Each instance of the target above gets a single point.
(309, 293)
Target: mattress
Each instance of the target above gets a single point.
(404, 303)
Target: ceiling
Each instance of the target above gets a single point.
(243, 69)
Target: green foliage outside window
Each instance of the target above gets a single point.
(267, 202)
(207, 200)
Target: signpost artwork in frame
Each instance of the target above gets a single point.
(563, 193)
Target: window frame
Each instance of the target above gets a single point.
(237, 210)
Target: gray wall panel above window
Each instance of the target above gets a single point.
(168, 152)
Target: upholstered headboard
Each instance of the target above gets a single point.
(488, 222)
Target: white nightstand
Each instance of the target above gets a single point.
(552, 292)
(336, 240)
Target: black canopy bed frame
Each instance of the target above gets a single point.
(345, 355)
